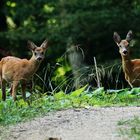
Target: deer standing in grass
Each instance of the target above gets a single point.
(15, 70)
(131, 68)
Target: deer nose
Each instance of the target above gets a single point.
(125, 52)
(39, 58)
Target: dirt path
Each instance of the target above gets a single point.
(79, 124)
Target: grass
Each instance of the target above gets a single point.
(130, 128)
(14, 112)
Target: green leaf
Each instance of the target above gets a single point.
(77, 92)
(135, 91)
(98, 91)
(22, 103)
(1, 106)
(60, 95)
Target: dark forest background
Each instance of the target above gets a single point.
(67, 23)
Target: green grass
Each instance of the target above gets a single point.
(130, 128)
(13, 112)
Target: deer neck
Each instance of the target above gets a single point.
(34, 64)
(127, 65)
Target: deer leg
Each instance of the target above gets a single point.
(14, 89)
(11, 89)
(31, 85)
(3, 87)
(23, 87)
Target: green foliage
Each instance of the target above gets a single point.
(131, 128)
(85, 22)
(14, 112)
(60, 77)
(77, 92)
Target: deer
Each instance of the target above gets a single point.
(15, 70)
(131, 68)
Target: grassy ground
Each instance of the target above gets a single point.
(14, 112)
(130, 128)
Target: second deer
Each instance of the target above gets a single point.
(15, 70)
(131, 68)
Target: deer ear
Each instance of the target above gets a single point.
(44, 45)
(31, 45)
(116, 37)
(129, 36)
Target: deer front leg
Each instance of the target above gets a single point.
(11, 90)
(23, 87)
(14, 89)
(31, 85)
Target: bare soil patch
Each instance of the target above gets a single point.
(73, 124)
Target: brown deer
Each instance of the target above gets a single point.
(131, 68)
(15, 70)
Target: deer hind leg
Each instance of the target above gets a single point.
(3, 88)
(14, 89)
(23, 87)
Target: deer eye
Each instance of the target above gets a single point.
(35, 53)
(42, 53)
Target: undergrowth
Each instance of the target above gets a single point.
(13, 112)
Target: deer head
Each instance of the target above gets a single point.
(38, 52)
(123, 44)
